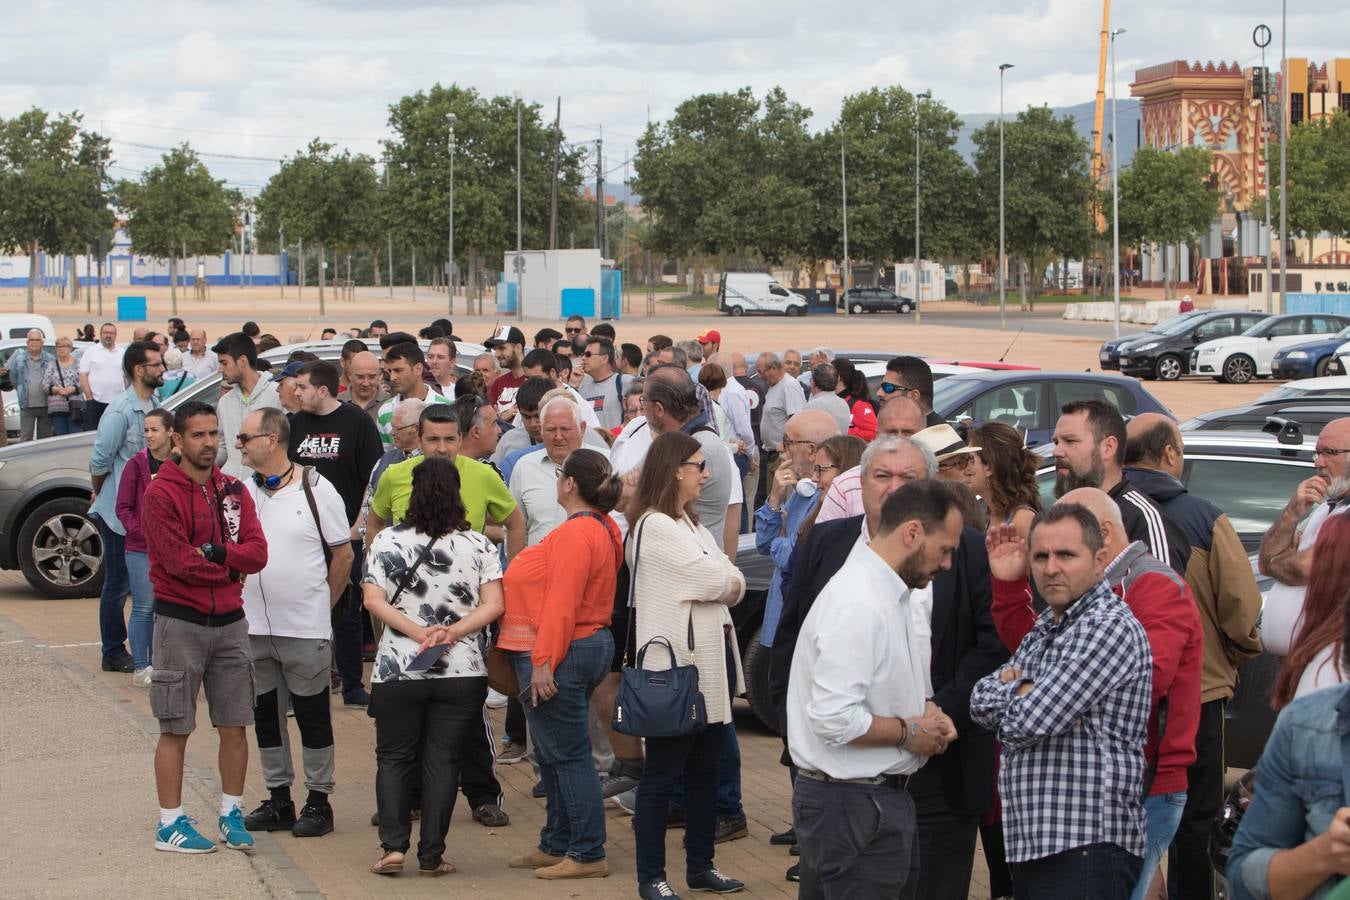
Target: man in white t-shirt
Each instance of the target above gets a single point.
(288, 606)
(101, 377)
(1286, 549)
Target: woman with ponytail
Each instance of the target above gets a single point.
(559, 600)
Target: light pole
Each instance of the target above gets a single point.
(918, 98)
(843, 174)
(450, 259)
(1115, 190)
(1002, 262)
(519, 262)
(391, 228)
(1284, 146)
(1261, 37)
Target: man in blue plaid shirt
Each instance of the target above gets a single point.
(1071, 708)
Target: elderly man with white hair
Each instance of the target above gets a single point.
(817, 356)
(534, 480)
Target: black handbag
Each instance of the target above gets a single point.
(657, 704)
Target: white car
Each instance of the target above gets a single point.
(1339, 364)
(1240, 358)
(1332, 386)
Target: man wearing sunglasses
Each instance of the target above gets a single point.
(909, 376)
(574, 329)
(603, 386)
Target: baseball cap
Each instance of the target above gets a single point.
(506, 334)
(943, 441)
(292, 369)
(710, 336)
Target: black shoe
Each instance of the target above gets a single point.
(729, 830)
(714, 882)
(794, 873)
(795, 850)
(784, 838)
(121, 663)
(271, 815)
(491, 815)
(657, 890)
(538, 792)
(357, 696)
(315, 821)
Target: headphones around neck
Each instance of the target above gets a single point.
(272, 482)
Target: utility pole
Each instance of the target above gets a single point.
(519, 262)
(282, 270)
(1115, 190)
(450, 269)
(918, 266)
(845, 275)
(101, 202)
(1002, 258)
(1284, 147)
(600, 195)
(390, 233)
(1261, 37)
(623, 259)
(553, 185)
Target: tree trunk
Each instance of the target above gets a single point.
(349, 269)
(173, 279)
(32, 272)
(74, 279)
(323, 263)
(1022, 278)
(414, 274)
(89, 270)
(375, 269)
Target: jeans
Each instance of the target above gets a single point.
(1163, 812)
(425, 719)
(859, 841)
(112, 602)
(348, 630)
(694, 759)
(61, 424)
(575, 823)
(142, 625)
(728, 781)
(1092, 872)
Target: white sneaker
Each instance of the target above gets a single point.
(627, 801)
(141, 677)
(495, 699)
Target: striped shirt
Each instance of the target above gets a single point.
(384, 420)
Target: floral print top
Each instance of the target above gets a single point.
(442, 590)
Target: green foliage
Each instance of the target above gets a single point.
(328, 199)
(1318, 176)
(1166, 197)
(176, 207)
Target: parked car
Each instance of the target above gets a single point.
(1108, 357)
(1166, 354)
(1332, 386)
(1311, 414)
(1309, 360)
(1031, 401)
(45, 529)
(874, 299)
(1239, 359)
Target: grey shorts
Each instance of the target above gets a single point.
(302, 665)
(186, 656)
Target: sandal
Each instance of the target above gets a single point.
(444, 868)
(390, 863)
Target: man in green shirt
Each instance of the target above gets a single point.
(482, 490)
(405, 364)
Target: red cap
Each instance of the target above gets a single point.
(711, 336)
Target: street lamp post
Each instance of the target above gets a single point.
(1002, 261)
(450, 259)
(1284, 146)
(918, 313)
(390, 233)
(1115, 190)
(1261, 37)
(520, 246)
(843, 174)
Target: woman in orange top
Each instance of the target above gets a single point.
(559, 599)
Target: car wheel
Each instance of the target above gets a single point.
(757, 682)
(1320, 370)
(1168, 367)
(1239, 369)
(736, 311)
(856, 309)
(794, 311)
(906, 308)
(61, 550)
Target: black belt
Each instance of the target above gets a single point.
(895, 782)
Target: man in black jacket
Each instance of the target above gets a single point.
(950, 792)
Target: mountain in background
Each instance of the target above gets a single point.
(1128, 121)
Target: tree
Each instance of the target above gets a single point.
(51, 187)
(1166, 198)
(1318, 177)
(1047, 189)
(329, 199)
(177, 208)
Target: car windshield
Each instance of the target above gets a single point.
(948, 391)
(1174, 325)
(1260, 328)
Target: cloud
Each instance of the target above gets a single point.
(201, 60)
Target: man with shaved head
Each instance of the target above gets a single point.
(198, 361)
(364, 390)
(1162, 603)
(1224, 587)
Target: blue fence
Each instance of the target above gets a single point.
(611, 293)
(1336, 304)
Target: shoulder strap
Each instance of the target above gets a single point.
(314, 511)
(618, 551)
(408, 574)
(632, 595)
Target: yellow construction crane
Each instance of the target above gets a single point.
(1101, 97)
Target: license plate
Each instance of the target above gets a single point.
(1124, 360)
(1105, 356)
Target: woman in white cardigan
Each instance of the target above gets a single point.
(682, 578)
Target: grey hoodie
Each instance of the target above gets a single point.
(232, 410)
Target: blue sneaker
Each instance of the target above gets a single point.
(233, 832)
(181, 837)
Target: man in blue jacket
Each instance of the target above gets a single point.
(25, 372)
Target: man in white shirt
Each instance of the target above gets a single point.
(288, 607)
(858, 720)
(199, 362)
(534, 480)
(101, 377)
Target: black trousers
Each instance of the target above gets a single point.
(93, 411)
(477, 767)
(1189, 876)
(517, 730)
(348, 630)
(421, 728)
(946, 840)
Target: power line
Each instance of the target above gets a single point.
(266, 159)
(286, 137)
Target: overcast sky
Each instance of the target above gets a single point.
(252, 78)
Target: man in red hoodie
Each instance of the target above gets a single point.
(1162, 602)
(203, 537)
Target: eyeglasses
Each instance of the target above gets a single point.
(701, 465)
(819, 470)
(1329, 452)
(960, 461)
(788, 444)
(572, 330)
(888, 388)
(405, 427)
(244, 437)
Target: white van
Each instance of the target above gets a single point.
(17, 325)
(754, 292)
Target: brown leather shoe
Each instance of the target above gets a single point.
(571, 868)
(535, 859)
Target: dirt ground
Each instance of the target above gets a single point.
(297, 316)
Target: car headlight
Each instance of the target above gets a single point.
(11, 410)
(1208, 351)
(1296, 354)
(1151, 345)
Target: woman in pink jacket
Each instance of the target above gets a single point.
(141, 469)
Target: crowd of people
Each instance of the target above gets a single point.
(949, 660)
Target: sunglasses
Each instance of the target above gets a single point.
(888, 388)
(701, 465)
(572, 330)
(961, 461)
(244, 437)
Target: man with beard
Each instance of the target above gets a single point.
(121, 435)
(1089, 451)
(404, 364)
(250, 390)
(859, 723)
(508, 344)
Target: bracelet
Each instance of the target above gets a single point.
(904, 740)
